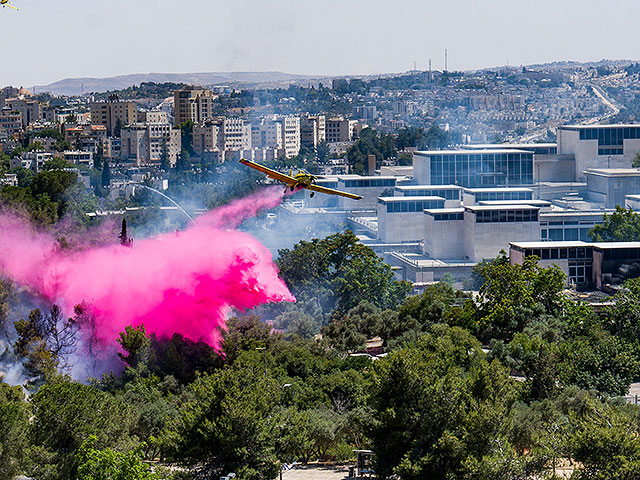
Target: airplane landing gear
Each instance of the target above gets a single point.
(312, 194)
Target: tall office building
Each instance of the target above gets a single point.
(221, 133)
(143, 143)
(467, 168)
(279, 133)
(313, 130)
(112, 114)
(193, 103)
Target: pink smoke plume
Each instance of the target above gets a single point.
(185, 282)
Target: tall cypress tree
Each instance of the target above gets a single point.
(106, 174)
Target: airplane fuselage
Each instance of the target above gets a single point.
(304, 180)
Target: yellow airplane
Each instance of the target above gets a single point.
(298, 181)
(6, 3)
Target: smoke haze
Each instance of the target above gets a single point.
(184, 282)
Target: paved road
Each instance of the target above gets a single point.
(316, 472)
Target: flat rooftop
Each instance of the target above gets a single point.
(502, 146)
(422, 261)
(525, 245)
(408, 199)
(498, 189)
(615, 125)
(434, 211)
(368, 177)
(537, 203)
(484, 208)
(578, 243)
(613, 172)
(470, 151)
(428, 187)
(615, 245)
(574, 213)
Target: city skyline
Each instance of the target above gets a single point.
(342, 38)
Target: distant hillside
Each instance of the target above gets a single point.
(77, 86)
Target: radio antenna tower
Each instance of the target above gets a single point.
(446, 61)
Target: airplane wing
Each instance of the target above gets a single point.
(281, 177)
(12, 6)
(331, 191)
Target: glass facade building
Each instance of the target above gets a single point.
(610, 139)
(370, 182)
(489, 168)
(506, 216)
(495, 195)
(410, 204)
(448, 194)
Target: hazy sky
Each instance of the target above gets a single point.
(48, 40)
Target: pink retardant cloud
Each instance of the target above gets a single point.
(184, 282)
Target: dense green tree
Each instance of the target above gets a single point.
(65, 414)
(98, 158)
(182, 358)
(157, 403)
(7, 292)
(5, 163)
(186, 132)
(230, 423)
(340, 272)
(323, 151)
(512, 296)
(624, 317)
(53, 183)
(105, 180)
(107, 464)
(117, 129)
(439, 303)
(438, 407)
(136, 345)
(411, 137)
(165, 165)
(39, 208)
(623, 225)
(603, 363)
(607, 443)
(45, 341)
(14, 425)
(56, 164)
(25, 176)
(370, 142)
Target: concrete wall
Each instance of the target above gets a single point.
(400, 226)
(554, 168)
(485, 240)
(444, 239)
(421, 169)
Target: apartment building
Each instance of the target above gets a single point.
(281, 133)
(143, 143)
(313, 130)
(79, 158)
(220, 134)
(10, 121)
(114, 114)
(193, 103)
(30, 110)
(290, 135)
(86, 138)
(341, 130)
